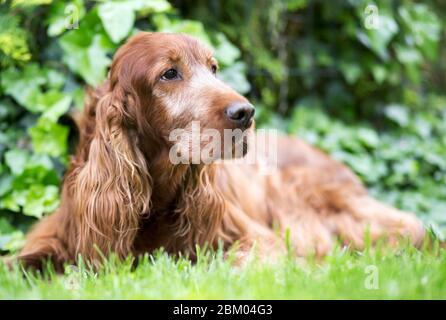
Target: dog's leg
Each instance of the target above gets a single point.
(365, 214)
(249, 238)
(315, 233)
(308, 234)
(322, 204)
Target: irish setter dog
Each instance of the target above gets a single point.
(123, 194)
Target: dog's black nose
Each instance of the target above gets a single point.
(241, 113)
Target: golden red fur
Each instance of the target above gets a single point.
(121, 193)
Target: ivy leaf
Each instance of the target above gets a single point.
(29, 3)
(425, 26)
(60, 13)
(379, 72)
(294, 5)
(154, 6)
(54, 78)
(9, 203)
(117, 19)
(5, 184)
(398, 114)
(407, 55)
(89, 62)
(368, 137)
(16, 160)
(8, 110)
(49, 138)
(351, 71)
(12, 241)
(24, 86)
(422, 127)
(78, 95)
(234, 76)
(38, 170)
(13, 40)
(55, 104)
(85, 50)
(41, 199)
(226, 53)
(379, 38)
(35, 200)
(193, 28)
(5, 226)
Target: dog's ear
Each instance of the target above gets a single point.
(113, 188)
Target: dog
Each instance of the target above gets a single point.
(122, 194)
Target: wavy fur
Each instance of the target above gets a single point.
(121, 193)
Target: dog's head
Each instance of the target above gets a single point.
(171, 90)
(157, 83)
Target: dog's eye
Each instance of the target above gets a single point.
(214, 68)
(170, 74)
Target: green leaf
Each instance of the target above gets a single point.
(398, 114)
(5, 184)
(55, 78)
(85, 50)
(225, 52)
(49, 138)
(78, 95)
(294, 5)
(368, 137)
(29, 3)
(24, 86)
(422, 127)
(193, 28)
(425, 27)
(9, 203)
(407, 55)
(234, 76)
(153, 6)
(379, 73)
(39, 170)
(55, 104)
(117, 18)
(405, 167)
(41, 199)
(8, 110)
(16, 160)
(89, 62)
(351, 71)
(13, 40)
(12, 241)
(5, 226)
(378, 39)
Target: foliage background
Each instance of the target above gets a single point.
(373, 98)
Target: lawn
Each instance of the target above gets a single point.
(406, 273)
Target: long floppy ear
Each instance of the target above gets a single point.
(113, 188)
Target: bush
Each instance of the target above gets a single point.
(371, 96)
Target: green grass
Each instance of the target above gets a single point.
(407, 273)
